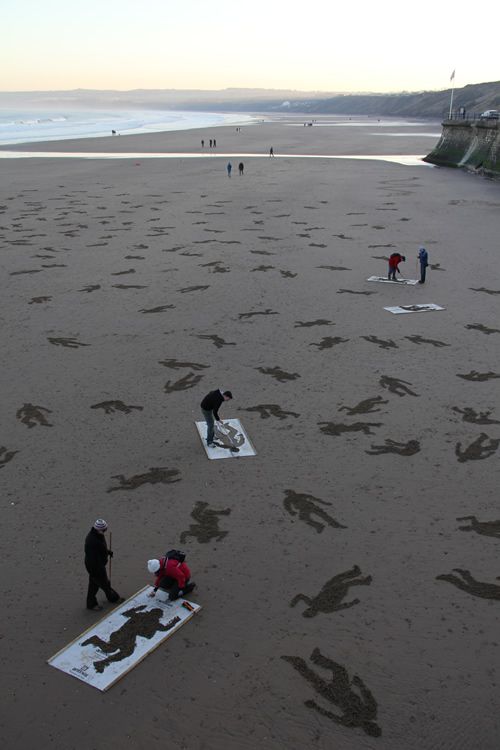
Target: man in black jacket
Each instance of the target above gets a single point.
(210, 410)
(96, 559)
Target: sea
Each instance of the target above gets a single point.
(27, 126)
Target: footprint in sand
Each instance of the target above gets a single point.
(358, 707)
(155, 475)
(306, 506)
(278, 374)
(329, 599)
(32, 415)
(392, 446)
(110, 407)
(183, 384)
(271, 410)
(478, 450)
(206, 527)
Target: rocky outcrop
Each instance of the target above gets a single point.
(471, 145)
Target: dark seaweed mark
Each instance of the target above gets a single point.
(278, 374)
(330, 597)
(328, 341)
(474, 417)
(200, 287)
(159, 309)
(467, 583)
(335, 268)
(32, 415)
(382, 343)
(392, 446)
(110, 407)
(310, 323)
(216, 340)
(364, 407)
(122, 642)
(6, 456)
(486, 291)
(188, 381)
(90, 288)
(330, 428)
(260, 312)
(399, 387)
(307, 506)
(485, 528)
(476, 451)
(38, 300)
(478, 377)
(358, 710)
(350, 291)
(271, 410)
(174, 364)
(207, 526)
(155, 475)
(482, 328)
(417, 339)
(70, 343)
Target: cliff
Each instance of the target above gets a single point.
(471, 145)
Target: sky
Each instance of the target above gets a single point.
(313, 45)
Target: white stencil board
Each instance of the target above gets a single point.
(232, 434)
(385, 280)
(403, 309)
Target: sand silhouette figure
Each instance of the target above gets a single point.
(70, 343)
(485, 528)
(188, 381)
(310, 323)
(482, 328)
(110, 407)
(267, 311)
(155, 475)
(39, 300)
(392, 446)
(351, 291)
(327, 342)
(159, 309)
(206, 527)
(216, 340)
(399, 387)
(287, 274)
(420, 340)
(367, 406)
(486, 291)
(335, 268)
(122, 642)
(478, 449)
(278, 374)
(228, 437)
(271, 410)
(175, 364)
(382, 343)
(465, 581)
(90, 288)
(357, 705)
(198, 288)
(474, 417)
(32, 415)
(330, 428)
(306, 506)
(478, 377)
(330, 597)
(6, 456)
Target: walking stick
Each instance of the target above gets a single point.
(110, 558)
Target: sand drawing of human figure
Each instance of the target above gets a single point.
(122, 642)
(228, 435)
(305, 506)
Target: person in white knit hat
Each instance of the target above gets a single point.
(96, 559)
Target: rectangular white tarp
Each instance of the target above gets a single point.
(401, 309)
(230, 438)
(116, 644)
(385, 280)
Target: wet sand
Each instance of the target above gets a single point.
(130, 289)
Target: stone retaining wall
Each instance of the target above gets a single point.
(470, 145)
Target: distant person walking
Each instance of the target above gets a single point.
(203, 143)
(210, 143)
(423, 259)
(241, 167)
(210, 409)
(271, 151)
(96, 559)
(394, 260)
(215, 143)
(229, 168)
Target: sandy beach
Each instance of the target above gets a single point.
(130, 289)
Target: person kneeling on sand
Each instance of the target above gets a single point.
(172, 575)
(394, 261)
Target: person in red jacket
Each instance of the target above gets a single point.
(394, 261)
(172, 575)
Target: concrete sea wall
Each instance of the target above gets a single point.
(471, 145)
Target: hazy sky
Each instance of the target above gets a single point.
(353, 45)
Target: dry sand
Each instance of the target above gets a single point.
(90, 249)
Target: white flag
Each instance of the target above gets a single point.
(452, 76)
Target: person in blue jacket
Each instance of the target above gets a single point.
(423, 259)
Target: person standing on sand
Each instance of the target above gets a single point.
(229, 168)
(210, 143)
(215, 143)
(210, 410)
(394, 261)
(203, 144)
(241, 167)
(96, 559)
(271, 151)
(423, 259)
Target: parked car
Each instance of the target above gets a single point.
(490, 114)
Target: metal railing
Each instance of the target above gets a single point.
(468, 116)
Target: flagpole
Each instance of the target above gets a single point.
(452, 90)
